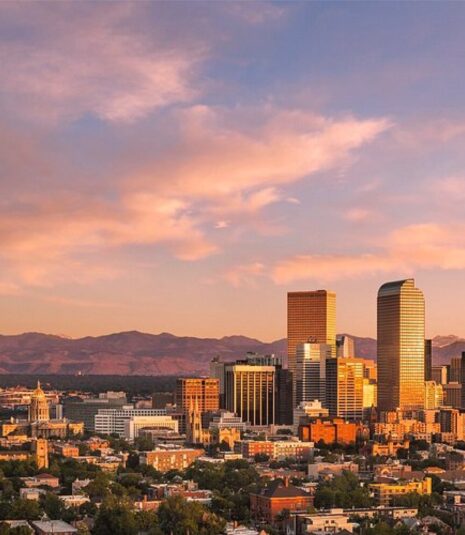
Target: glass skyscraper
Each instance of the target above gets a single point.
(401, 346)
(311, 317)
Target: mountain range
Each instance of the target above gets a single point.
(136, 353)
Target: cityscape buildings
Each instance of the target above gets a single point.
(401, 346)
(311, 317)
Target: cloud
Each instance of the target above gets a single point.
(421, 246)
(224, 169)
(358, 215)
(66, 61)
(407, 249)
(245, 275)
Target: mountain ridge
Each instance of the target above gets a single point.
(139, 353)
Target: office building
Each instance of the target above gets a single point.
(440, 374)
(428, 360)
(433, 395)
(462, 381)
(401, 346)
(250, 392)
(344, 388)
(205, 391)
(345, 346)
(309, 410)
(311, 316)
(109, 421)
(217, 372)
(85, 410)
(310, 371)
(455, 370)
(452, 395)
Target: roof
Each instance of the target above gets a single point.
(277, 489)
(46, 476)
(54, 526)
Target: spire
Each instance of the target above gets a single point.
(38, 384)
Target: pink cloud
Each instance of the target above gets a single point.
(407, 249)
(225, 169)
(78, 60)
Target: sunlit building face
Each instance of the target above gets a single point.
(311, 317)
(401, 346)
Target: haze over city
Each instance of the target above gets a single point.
(181, 166)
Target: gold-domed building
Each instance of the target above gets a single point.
(38, 409)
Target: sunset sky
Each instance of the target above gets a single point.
(180, 166)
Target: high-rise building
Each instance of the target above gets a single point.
(455, 370)
(250, 392)
(310, 371)
(440, 374)
(401, 346)
(344, 388)
(311, 316)
(462, 390)
(345, 346)
(428, 359)
(205, 391)
(433, 395)
(217, 371)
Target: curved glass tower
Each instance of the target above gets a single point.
(401, 346)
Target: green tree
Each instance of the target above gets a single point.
(180, 517)
(25, 510)
(115, 517)
(53, 506)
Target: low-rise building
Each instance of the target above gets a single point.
(332, 431)
(301, 451)
(384, 492)
(53, 527)
(266, 505)
(332, 521)
(164, 459)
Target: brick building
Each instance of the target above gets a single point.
(330, 431)
(278, 496)
(164, 460)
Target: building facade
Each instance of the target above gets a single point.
(310, 316)
(344, 388)
(401, 346)
(250, 392)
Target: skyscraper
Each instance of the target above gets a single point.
(428, 359)
(401, 346)
(201, 390)
(310, 371)
(311, 316)
(344, 387)
(250, 392)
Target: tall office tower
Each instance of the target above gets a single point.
(345, 346)
(217, 371)
(344, 388)
(283, 411)
(250, 392)
(310, 316)
(462, 381)
(433, 395)
(205, 392)
(310, 371)
(455, 370)
(401, 346)
(440, 374)
(428, 359)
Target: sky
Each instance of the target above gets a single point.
(178, 167)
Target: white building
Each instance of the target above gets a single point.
(134, 424)
(310, 409)
(108, 421)
(311, 371)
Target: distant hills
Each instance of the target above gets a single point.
(136, 353)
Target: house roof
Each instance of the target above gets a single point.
(277, 489)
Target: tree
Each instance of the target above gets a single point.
(53, 506)
(177, 516)
(25, 510)
(115, 517)
(343, 491)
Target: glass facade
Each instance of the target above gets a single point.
(311, 317)
(401, 346)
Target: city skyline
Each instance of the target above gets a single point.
(187, 184)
